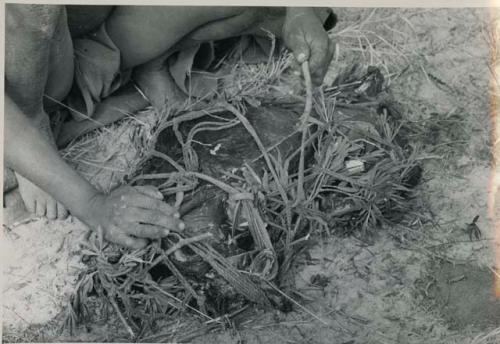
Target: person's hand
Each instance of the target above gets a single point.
(305, 36)
(128, 216)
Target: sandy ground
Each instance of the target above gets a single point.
(424, 283)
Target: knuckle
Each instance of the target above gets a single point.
(138, 231)
(129, 242)
(150, 203)
(153, 232)
(150, 231)
(156, 218)
(165, 208)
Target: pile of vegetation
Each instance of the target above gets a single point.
(257, 172)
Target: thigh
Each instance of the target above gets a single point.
(143, 33)
(29, 35)
(249, 20)
(61, 66)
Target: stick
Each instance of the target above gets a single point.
(122, 318)
(304, 119)
(221, 185)
(187, 241)
(154, 286)
(298, 304)
(180, 244)
(168, 159)
(228, 316)
(263, 150)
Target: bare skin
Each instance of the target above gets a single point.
(39, 61)
(126, 216)
(304, 35)
(29, 44)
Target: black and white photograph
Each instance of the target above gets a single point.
(250, 175)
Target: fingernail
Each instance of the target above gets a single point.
(301, 57)
(177, 215)
(166, 232)
(181, 226)
(296, 73)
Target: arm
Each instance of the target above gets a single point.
(29, 153)
(126, 216)
(299, 11)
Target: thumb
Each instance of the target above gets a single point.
(150, 191)
(301, 52)
(299, 47)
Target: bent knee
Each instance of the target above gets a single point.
(41, 19)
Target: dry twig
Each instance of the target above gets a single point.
(304, 124)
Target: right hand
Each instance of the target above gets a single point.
(128, 216)
(305, 36)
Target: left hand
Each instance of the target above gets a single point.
(304, 34)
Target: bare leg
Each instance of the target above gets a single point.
(143, 33)
(146, 36)
(125, 216)
(33, 32)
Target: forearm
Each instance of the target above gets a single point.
(31, 155)
(299, 11)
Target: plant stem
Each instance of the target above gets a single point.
(180, 244)
(187, 241)
(304, 120)
(122, 318)
(263, 150)
(298, 304)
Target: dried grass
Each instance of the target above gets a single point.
(353, 184)
(377, 37)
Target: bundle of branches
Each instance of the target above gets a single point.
(254, 182)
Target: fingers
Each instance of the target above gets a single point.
(150, 191)
(153, 217)
(141, 200)
(121, 238)
(148, 231)
(320, 59)
(129, 216)
(317, 50)
(301, 50)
